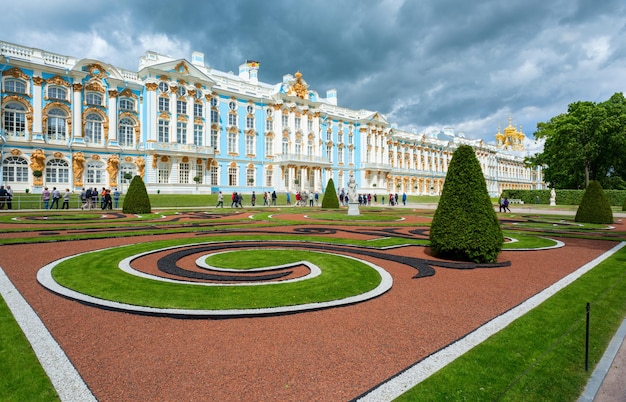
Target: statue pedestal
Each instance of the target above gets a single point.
(353, 208)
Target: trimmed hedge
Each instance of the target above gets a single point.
(595, 207)
(330, 199)
(136, 200)
(564, 197)
(465, 225)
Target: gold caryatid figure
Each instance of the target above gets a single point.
(299, 88)
(113, 164)
(141, 165)
(78, 167)
(37, 164)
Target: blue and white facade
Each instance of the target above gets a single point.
(188, 128)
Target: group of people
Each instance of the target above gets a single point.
(6, 197)
(89, 198)
(304, 198)
(51, 198)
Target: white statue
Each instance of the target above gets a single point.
(352, 195)
(552, 198)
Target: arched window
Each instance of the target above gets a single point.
(15, 119)
(57, 125)
(57, 171)
(128, 168)
(93, 98)
(15, 169)
(93, 128)
(127, 104)
(14, 85)
(56, 92)
(126, 132)
(298, 147)
(250, 176)
(232, 176)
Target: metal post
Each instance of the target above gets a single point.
(587, 341)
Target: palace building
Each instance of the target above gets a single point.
(185, 127)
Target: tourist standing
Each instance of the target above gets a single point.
(9, 198)
(66, 199)
(56, 196)
(220, 200)
(116, 198)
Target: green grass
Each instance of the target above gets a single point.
(21, 376)
(540, 356)
(341, 277)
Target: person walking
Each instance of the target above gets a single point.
(253, 198)
(66, 199)
(274, 196)
(9, 198)
(506, 205)
(220, 200)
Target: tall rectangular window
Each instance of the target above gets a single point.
(197, 134)
(181, 107)
(268, 177)
(214, 176)
(285, 120)
(164, 104)
(250, 145)
(269, 125)
(163, 172)
(164, 131)
(232, 119)
(183, 173)
(181, 132)
(214, 139)
(232, 176)
(200, 172)
(198, 109)
(215, 116)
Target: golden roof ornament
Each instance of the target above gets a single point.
(299, 88)
(511, 138)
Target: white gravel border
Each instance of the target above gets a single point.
(423, 369)
(62, 373)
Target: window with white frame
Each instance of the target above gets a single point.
(163, 130)
(249, 122)
(57, 92)
(57, 171)
(269, 125)
(232, 105)
(329, 134)
(93, 98)
(57, 125)
(200, 172)
(309, 125)
(285, 146)
(250, 177)
(350, 156)
(285, 120)
(15, 119)
(214, 137)
(95, 172)
(198, 130)
(269, 146)
(163, 172)
(298, 122)
(198, 109)
(214, 175)
(250, 144)
(232, 119)
(181, 106)
(163, 87)
(164, 104)
(329, 153)
(93, 128)
(181, 132)
(340, 155)
(350, 139)
(183, 173)
(232, 176)
(215, 116)
(182, 91)
(368, 156)
(340, 137)
(126, 132)
(14, 85)
(298, 147)
(268, 177)
(232, 142)
(127, 104)
(15, 169)
(128, 168)
(309, 148)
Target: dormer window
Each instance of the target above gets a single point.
(127, 104)
(163, 87)
(232, 105)
(182, 91)
(250, 109)
(93, 98)
(59, 93)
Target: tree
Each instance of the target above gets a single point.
(586, 143)
(330, 199)
(595, 206)
(465, 225)
(137, 200)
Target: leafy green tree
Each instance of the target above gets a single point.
(465, 226)
(137, 200)
(330, 199)
(595, 206)
(586, 143)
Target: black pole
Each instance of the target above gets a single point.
(587, 341)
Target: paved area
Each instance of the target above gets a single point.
(608, 381)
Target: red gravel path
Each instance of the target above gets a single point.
(330, 355)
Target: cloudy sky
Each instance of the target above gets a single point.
(425, 64)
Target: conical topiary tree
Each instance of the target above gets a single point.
(465, 226)
(595, 206)
(136, 200)
(330, 199)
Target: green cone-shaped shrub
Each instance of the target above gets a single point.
(330, 199)
(465, 226)
(136, 200)
(595, 206)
